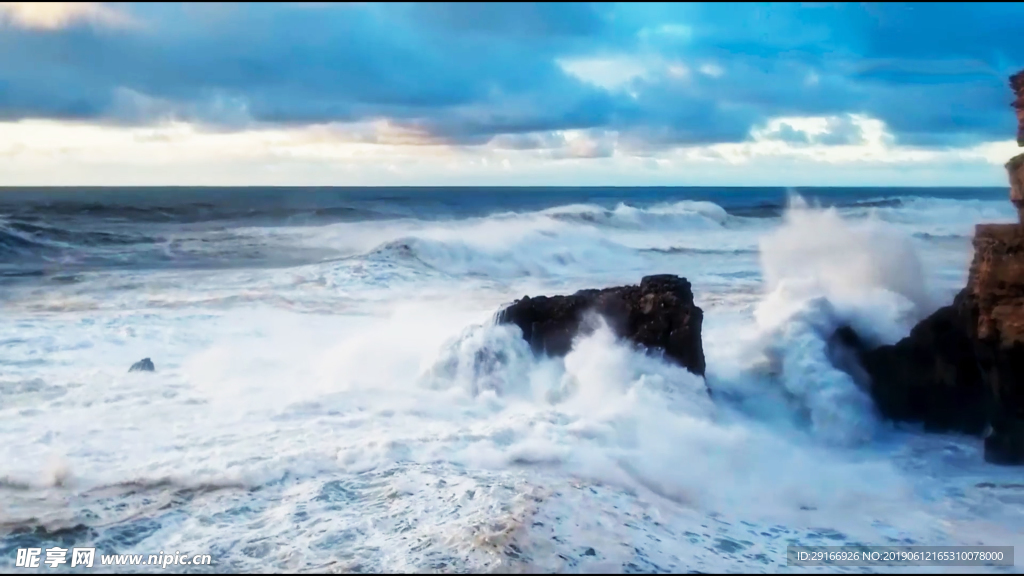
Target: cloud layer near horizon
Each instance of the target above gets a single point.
(543, 82)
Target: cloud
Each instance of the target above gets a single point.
(610, 73)
(712, 69)
(845, 130)
(57, 15)
(381, 153)
(848, 130)
(657, 76)
(560, 145)
(787, 133)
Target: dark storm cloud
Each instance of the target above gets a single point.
(467, 72)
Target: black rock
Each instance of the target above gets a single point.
(1005, 444)
(658, 315)
(144, 365)
(931, 376)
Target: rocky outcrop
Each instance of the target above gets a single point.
(931, 376)
(996, 288)
(658, 315)
(1017, 85)
(144, 365)
(962, 368)
(1015, 167)
(1015, 170)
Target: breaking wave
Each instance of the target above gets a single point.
(423, 437)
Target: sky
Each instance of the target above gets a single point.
(574, 94)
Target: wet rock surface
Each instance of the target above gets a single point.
(658, 315)
(962, 368)
(144, 365)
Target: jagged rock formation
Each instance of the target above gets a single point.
(1015, 167)
(962, 368)
(1017, 85)
(996, 288)
(931, 376)
(144, 365)
(658, 315)
(1015, 170)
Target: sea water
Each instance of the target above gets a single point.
(331, 393)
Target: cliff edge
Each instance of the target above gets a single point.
(962, 368)
(1017, 85)
(1015, 167)
(996, 295)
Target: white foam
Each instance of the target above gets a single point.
(389, 427)
(842, 259)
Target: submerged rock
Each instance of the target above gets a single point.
(144, 365)
(658, 315)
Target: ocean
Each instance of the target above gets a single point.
(331, 394)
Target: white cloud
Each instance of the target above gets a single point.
(996, 152)
(619, 71)
(57, 15)
(48, 142)
(712, 69)
(847, 129)
(678, 70)
(608, 72)
(675, 31)
(45, 152)
(556, 145)
(854, 140)
(590, 144)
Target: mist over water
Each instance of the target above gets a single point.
(331, 393)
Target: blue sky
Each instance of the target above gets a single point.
(463, 93)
